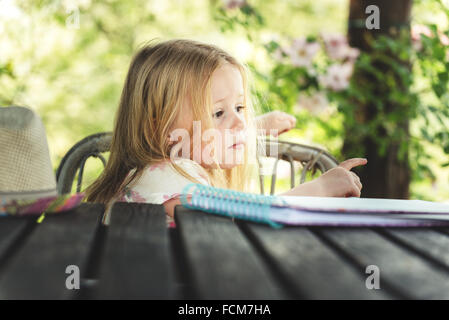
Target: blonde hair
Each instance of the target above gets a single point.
(160, 77)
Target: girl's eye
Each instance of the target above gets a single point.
(218, 114)
(240, 108)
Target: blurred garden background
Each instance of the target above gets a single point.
(375, 93)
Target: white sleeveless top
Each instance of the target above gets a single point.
(161, 182)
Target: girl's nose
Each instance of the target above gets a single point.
(238, 121)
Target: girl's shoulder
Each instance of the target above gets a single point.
(160, 181)
(190, 167)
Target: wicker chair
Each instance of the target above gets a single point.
(75, 160)
(311, 159)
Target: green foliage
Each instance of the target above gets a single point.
(247, 17)
(73, 75)
(404, 79)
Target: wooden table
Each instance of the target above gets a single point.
(213, 257)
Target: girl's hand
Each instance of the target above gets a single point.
(276, 121)
(337, 182)
(340, 181)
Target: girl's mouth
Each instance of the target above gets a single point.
(238, 145)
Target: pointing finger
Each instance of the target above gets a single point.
(354, 162)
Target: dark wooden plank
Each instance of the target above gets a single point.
(37, 270)
(220, 262)
(401, 270)
(432, 245)
(311, 269)
(136, 262)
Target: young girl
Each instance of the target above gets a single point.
(187, 97)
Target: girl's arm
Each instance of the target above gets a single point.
(337, 182)
(169, 206)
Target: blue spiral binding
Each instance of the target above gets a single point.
(229, 203)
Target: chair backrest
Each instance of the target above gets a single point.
(311, 159)
(75, 160)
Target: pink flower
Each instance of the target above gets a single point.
(444, 39)
(416, 32)
(337, 47)
(232, 4)
(352, 53)
(337, 76)
(315, 104)
(302, 52)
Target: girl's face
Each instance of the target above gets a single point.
(226, 142)
(228, 115)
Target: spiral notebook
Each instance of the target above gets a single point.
(315, 211)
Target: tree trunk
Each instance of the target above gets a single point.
(384, 176)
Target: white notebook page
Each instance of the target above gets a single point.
(332, 204)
